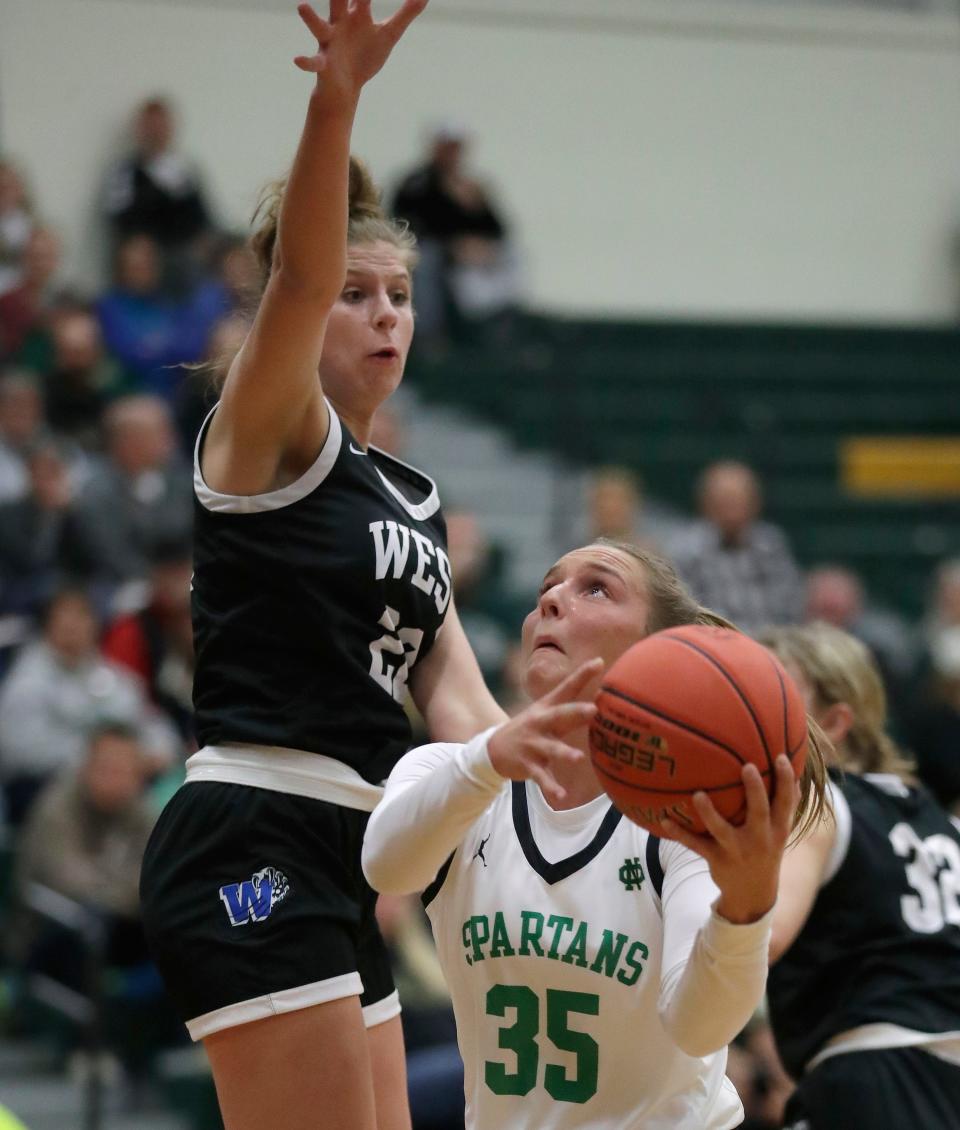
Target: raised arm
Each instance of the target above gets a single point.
(272, 419)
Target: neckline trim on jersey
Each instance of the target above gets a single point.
(418, 510)
(563, 868)
(275, 499)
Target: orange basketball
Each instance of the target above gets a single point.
(685, 709)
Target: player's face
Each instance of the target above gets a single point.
(369, 329)
(593, 602)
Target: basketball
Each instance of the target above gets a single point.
(684, 710)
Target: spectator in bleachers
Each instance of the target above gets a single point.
(85, 835)
(156, 642)
(158, 192)
(57, 692)
(617, 508)
(136, 499)
(84, 839)
(36, 534)
(151, 333)
(24, 307)
(16, 223)
(489, 617)
(82, 379)
(199, 388)
(836, 595)
(735, 563)
(468, 266)
(21, 426)
(932, 731)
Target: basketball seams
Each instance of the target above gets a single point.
(617, 693)
(733, 683)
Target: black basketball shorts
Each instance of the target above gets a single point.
(254, 904)
(885, 1089)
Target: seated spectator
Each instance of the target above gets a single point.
(85, 835)
(490, 617)
(24, 307)
(467, 265)
(37, 535)
(156, 643)
(82, 379)
(16, 223)
(836, 595)
(156, 191)
(199, 388)
(734, 563)
(84, 839)
(618, 509)
(150, 333)
(57, 692)
(139, 496)
(21, 425)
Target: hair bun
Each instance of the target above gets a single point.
(364, 195)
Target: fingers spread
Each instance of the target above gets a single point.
(401, 20)
(317, 26)
(567, 716)
(312, 63)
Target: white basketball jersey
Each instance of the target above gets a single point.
(548, 926)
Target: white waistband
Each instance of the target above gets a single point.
(873, 1037)
(285, 771)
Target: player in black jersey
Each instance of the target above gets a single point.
(865, 991)
(321, 595)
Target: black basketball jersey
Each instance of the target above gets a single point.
(882, 943)
(313, 603)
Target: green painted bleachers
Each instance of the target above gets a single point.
(668, 398)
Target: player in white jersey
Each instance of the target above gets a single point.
(597, 971)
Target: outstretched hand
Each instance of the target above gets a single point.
(744, 860)
(527, 745)
(351, 46)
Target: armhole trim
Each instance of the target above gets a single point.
(434, 889)
(308, 482)
(654, 866)
(841, 840)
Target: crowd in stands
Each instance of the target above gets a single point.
(101, 397)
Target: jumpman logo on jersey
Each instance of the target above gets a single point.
(631, 874)
(478, 854)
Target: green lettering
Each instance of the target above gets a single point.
(560, 924)
(500, 946)
(577, 950)
(636, 955)
(608, 956)
(476, 932)
(530, 937)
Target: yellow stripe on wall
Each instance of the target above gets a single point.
(901, 466)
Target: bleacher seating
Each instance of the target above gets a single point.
(667, 398)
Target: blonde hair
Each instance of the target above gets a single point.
(839, 668)
(368, 222)
(671, 604)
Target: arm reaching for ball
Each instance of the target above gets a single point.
(436, 792)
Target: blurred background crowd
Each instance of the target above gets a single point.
(731, 449)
